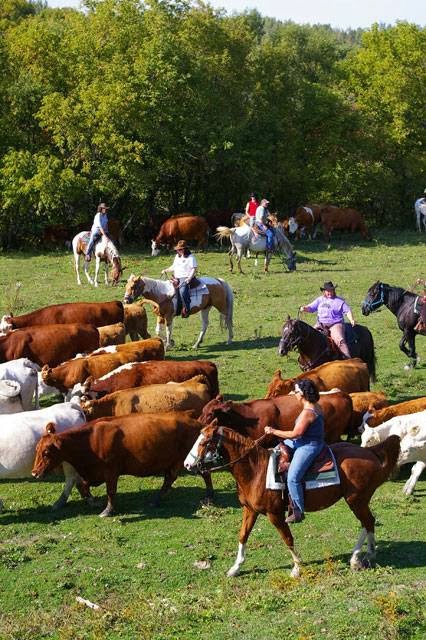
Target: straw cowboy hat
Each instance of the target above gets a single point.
(181, 245)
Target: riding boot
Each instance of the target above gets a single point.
(87, 257)
(295, 517)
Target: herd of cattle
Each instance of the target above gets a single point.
(127, 410)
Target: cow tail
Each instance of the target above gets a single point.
(387, 452)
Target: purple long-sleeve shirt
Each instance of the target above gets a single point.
(330, 310)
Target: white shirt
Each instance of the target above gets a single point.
(183, 265)
(261, 214)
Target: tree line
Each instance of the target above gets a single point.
(166, 106)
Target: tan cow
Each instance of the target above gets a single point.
(173, 396)
(346, 375)
(374, 417)
(363, 401)
(112, 334)
(345, 219)
(67, 374)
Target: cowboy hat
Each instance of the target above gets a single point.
(181, 245)
(102, 205)
(328, 286)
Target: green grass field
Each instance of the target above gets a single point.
(160, 573)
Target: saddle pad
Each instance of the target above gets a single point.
(322, 473)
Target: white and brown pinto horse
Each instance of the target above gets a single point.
(104, 251)
(215, 293)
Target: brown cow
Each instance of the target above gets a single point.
(345, 219)
(138, 445)
(250, 418)
(137, 374)
(49, 343)
(135, 319)
(96, 313)
(181, 227)
(346, 375)
(191, 395)
(374, 417)
(67, 374)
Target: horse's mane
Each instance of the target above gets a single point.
(396, 294)
(158, 287)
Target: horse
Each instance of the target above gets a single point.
(420, 209)
(402, 304)
(243, 238)
(361, 472)
(315, 347)
(215, 293)
(104, 251)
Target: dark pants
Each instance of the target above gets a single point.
(184, 294)
(93, 239)
(269, 239)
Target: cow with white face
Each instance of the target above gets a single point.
(24, 372)
(10, 397)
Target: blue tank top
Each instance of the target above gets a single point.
(315, 431)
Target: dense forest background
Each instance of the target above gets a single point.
(165, 106)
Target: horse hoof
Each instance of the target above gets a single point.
(408, 367)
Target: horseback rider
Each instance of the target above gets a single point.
(251, 208)
(421, 325)
(331, 310)
(263, 225)
(306, 439)
(183, 268)
(99, 228)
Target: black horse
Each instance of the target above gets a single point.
(315, 347)
(402, 304)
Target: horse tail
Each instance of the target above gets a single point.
(228, 317)
(387, 452)
(222, 232)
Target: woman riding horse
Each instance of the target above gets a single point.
(331, 310)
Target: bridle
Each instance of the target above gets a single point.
(373, 305)
(216, 458)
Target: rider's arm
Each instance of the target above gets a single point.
(191, 274)
(350, 317)
(302, 423)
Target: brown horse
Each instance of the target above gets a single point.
(104, 251)
(216, 293)
(361, 472)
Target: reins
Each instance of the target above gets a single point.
(243, 455)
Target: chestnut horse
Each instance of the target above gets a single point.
(361, 472)
(104, 251)
(216, 293)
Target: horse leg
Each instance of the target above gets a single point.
(278, 520)
(86, 271)
(77, 267)
(98, 264)
(106, 273)
(367, 520)
(239, 256)
(231, 264)
(249, 519)
(169, 331)
(409, 337)
(204, 324)
(415, 475)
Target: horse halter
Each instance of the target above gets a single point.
(130, 297)
(372, 305)
(213, 459)
(289, 342)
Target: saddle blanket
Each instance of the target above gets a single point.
(314, 479)
(200, 290)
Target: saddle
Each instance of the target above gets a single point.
(192, 285)
(418, 307)
(351, 337)
(322, 464)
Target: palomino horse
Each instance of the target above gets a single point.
(243, 238)
(216, 293)
(402, 304)
(105, 251)
(361, 472)
(315, 347)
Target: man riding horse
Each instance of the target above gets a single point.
(421, 325)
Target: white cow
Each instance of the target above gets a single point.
(10, 397)
(24, 372)
(20, 433)
(411, 429)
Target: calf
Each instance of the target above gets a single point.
(137, 374)
(135, 319)
(192, 394)
(112, 334)
(363, 400)
(24, 372)
(138, 445)
(49, 344)
(20, 433)
(68, 374)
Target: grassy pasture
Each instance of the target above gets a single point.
(160, 573)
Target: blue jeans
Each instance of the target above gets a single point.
(184, 293)
(303, 457)
(94, 237)
(269, 239)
